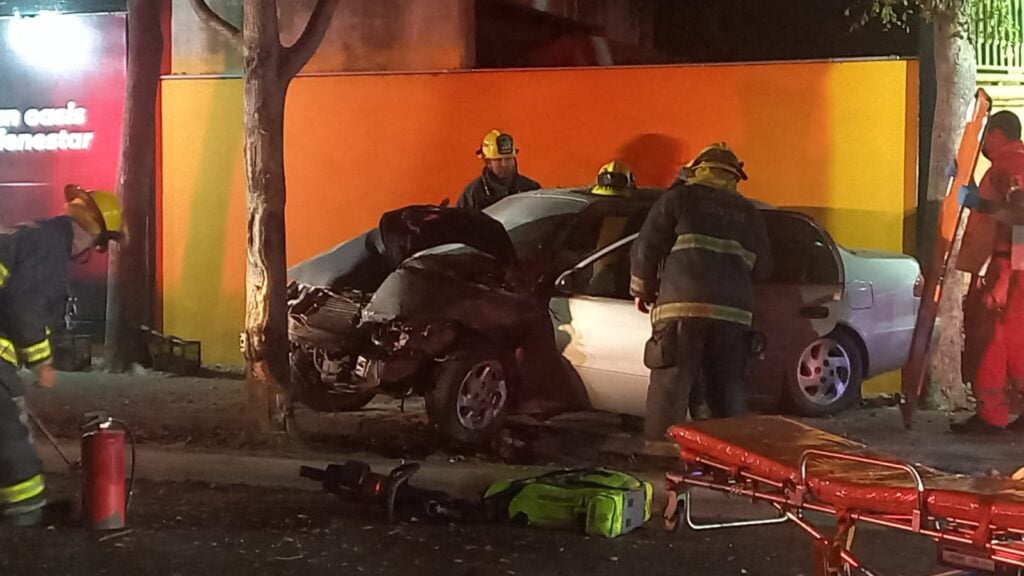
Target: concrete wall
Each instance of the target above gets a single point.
(628, 21)
(836, 138)
(365, 35)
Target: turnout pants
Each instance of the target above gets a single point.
(994, 349)
(21, 479)
(687, 353)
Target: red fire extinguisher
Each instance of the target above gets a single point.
(105, 497)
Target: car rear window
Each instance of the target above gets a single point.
(803, 254)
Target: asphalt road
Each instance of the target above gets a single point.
(191, 529)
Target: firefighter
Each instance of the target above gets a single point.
(708, 240)
(614, 179)
(500, 176)
(33, 288)
(994, 307)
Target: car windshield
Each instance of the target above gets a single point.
(530, 219)
(533, 219)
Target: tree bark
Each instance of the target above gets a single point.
(214, 20)
(131, 282)
(268, 68)
(955, 77)
(266, 329)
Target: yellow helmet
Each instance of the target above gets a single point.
(98, 211)
(497, 144)
(719, 155)
(613, 179)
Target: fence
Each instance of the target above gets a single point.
(999, 52)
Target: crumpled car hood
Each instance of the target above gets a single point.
(416, 228)
(365, 261)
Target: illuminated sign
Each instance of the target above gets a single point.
(62, 87)
(44, 124)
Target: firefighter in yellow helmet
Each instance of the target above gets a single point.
(500, 176)
(614, 179)
(692, 269)
(34, 262)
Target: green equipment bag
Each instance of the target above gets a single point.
(605, 502)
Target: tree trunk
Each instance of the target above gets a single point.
(955, 78)
(268, 69)
(130, 284)
(266, 327)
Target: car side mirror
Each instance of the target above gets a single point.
(567, 282)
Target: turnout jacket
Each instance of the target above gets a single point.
(33, 288)
(486, 190)
(710, 242)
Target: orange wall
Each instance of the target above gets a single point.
(836, 138)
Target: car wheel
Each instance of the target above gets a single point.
(470, 398)
(309, 389)
(828, 376)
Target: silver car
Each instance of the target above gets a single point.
(832, 317)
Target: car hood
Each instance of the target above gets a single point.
(414, 229)
(364, 261)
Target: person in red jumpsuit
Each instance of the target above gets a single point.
(994, 309)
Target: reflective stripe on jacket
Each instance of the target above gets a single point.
(22, 491)
(8, 353)
(697, 253)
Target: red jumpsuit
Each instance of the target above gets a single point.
(994, 311)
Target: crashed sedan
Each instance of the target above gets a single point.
(525, 308)
(430, 302)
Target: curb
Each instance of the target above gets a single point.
(462, 480)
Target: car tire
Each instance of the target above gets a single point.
(827, 376)
(471, 396)
(307, 387)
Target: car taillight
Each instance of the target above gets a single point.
(919, 286)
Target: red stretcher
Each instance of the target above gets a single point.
(978, 523)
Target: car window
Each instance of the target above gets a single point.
(606, 277)
(597, 227)
(532, 221)
(803, 253)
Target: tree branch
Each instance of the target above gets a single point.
(298, 54)
(214, 20)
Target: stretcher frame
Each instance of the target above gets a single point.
(963, 544)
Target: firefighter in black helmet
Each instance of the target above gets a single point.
(500, 176)
(34, 262)
(708, 241)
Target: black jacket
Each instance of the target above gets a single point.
(33, 288)
(711, 242)
(486, 190)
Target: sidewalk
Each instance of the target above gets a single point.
(459, 478)
(191, 429)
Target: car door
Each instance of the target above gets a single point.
(798, 303)
(593, 304)
(600, 332)
(602, 335)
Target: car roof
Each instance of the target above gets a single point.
(584, 194)
(642, 195)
